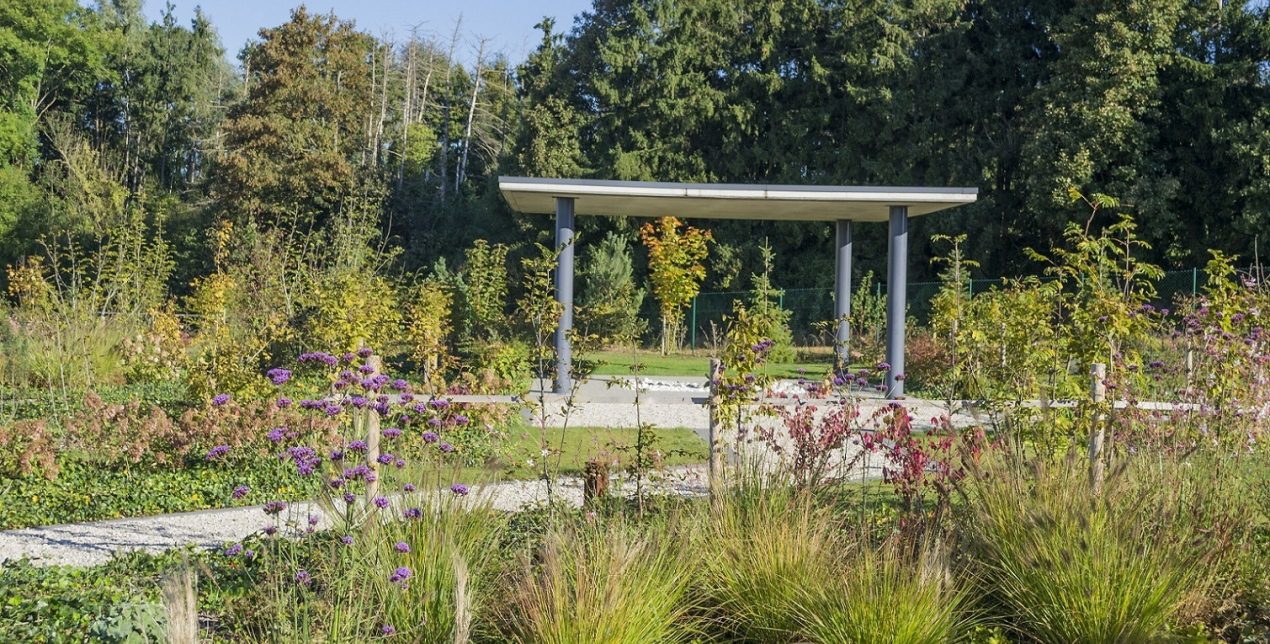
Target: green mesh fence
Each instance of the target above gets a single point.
(809, 307)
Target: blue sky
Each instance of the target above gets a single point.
(508, 24)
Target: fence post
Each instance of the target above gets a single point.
(715, 400)
(1194, 281)
(1098, 394)
(372, 437)
(693, 329)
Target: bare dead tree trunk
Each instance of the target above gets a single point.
(383, 105)
(406, 95)
(471, 112)
(445, 116)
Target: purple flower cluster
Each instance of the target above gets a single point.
(459, 489)
(306, 459)
(275, 507)
(217, 452)
(303, 578)
(220, 399)
(402, 547)
(278, 376)
(319, 356)
(240, 491)
(400, 575)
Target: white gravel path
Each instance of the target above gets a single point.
(87, 544)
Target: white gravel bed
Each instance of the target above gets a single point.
(88, 544)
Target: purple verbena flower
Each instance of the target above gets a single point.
(240, 491)
(446, 447)
(217, 452)
(220, 399)
(412, 513)
(387, 630)
(399, 575)
(402, 547)
(430, 437)
(392, 432)
(278, 376)
(303, 578)
(275, 507)
(459, 489)
(284, 402)
(409, 487)
(234, 550)
(347, 539)
(380, 502)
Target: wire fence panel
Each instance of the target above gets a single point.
(810, 307)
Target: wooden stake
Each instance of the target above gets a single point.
(1098, 395)
(715, 402)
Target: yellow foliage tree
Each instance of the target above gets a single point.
(676, 253)
(428, 326)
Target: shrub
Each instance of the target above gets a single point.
(498, 363)
(428, 328)
(610, 301)
(350, 310)
(157, 353)
(1058, 564)
(765, 305)
(26, 449)
(926, 362)
(481, 293)
(129, 433)
(602, 583)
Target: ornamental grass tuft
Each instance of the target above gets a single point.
(1057, 563)
(603, 583)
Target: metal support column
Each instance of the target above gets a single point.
(896, 305)
(842, 294)
(564, 291)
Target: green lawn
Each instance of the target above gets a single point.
(618, 362)
(520, 457)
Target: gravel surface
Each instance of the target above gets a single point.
(87, 544)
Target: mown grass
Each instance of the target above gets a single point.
(619, 362)
(520, 455)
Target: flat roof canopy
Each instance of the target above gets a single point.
(728, 200)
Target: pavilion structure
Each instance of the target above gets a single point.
(842, 205)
